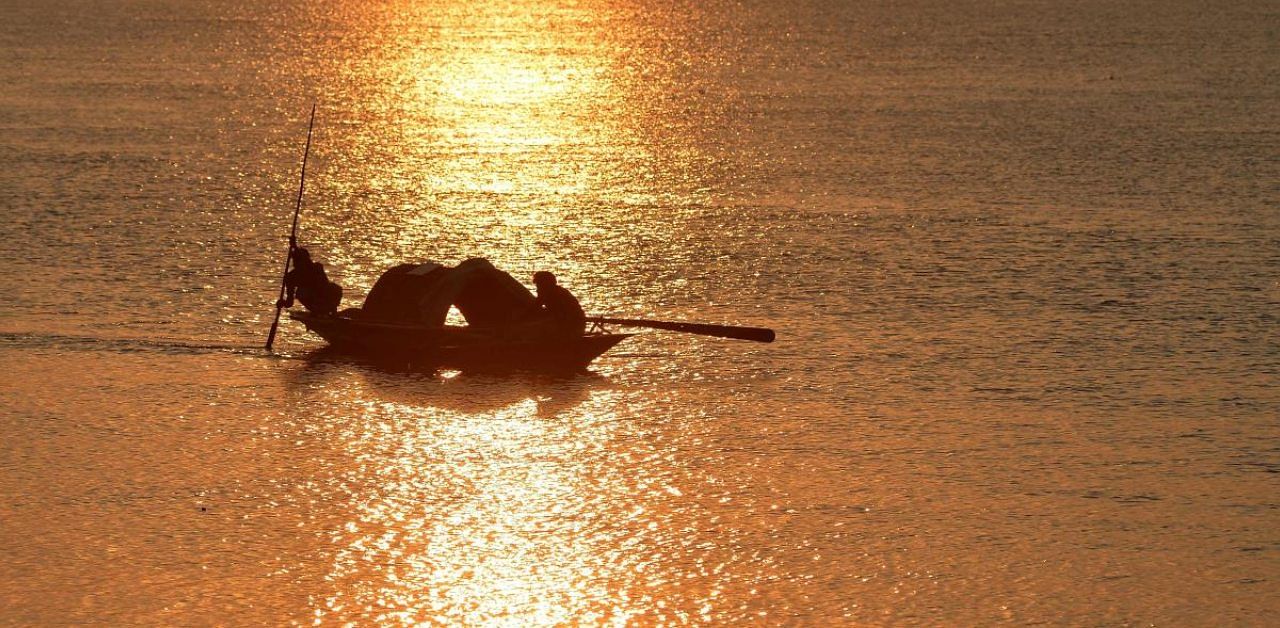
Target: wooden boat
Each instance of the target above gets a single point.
(450, 346)
(403, 319)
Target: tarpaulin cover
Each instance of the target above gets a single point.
(421, 294)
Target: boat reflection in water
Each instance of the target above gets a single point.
(428, 386)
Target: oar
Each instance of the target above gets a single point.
(758, 334)
(293, 233)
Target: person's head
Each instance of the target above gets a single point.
(301, 256)
(544, 279)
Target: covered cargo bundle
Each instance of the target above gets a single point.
(421, 294)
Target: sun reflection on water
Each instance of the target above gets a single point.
(478, 518)
(480, 98)
(505, 131)
(516, 132)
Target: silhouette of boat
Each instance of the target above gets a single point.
(452, 346)
(403, 319)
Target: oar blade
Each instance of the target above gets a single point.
(271, 337)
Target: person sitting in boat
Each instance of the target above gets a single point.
(309, 284)
(556, 309)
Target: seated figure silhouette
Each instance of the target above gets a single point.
(307, 282)
(556, 312)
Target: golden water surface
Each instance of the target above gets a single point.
(1021, 262)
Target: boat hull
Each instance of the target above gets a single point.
(455, 347)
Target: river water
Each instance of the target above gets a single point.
(1023, 259)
